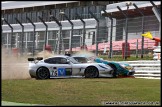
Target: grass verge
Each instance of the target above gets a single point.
(80, 91)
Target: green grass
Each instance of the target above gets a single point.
(80, 91)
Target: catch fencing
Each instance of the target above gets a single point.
(136, 26)
(103, 40)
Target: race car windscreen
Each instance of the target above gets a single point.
(81, 59)
(72, 60)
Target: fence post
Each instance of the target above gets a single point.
(142, 47)
(97, 31)
(59, 35)
(22, 36)
(3, 19)
(46, 31)
(33, 34)
(83, 44)
(110, 53)
(137, 49)
(126, 31)
(158, 15)
(71, 35)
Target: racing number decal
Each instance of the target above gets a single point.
(54, 72)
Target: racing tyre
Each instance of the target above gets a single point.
(114, 72)
(91, 72)
(43, 73)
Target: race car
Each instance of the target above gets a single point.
(120, 69)
(62, 66)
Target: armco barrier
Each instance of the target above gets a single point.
(146, 68)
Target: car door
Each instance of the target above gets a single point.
(59, 67)
(77, 68)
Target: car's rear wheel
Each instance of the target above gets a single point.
(114, 72)
(43, 73)
(91, 72)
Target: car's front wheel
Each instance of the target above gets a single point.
(43, 73)
(91, 72)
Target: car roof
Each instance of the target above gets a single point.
(79, 56)
(58, 56)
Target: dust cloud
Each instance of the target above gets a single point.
(44, 54)
(16, 67)
(85, 53)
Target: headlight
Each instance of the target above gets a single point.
(128, 67)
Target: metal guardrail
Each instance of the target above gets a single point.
(146, 69)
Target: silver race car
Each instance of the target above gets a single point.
(62, 66)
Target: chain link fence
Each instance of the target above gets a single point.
(135, 29)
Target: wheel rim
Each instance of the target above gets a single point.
(43, 73)
(91, 72)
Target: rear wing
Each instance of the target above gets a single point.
(35, 59)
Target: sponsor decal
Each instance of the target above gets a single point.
(68, 71)
(61, 72)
